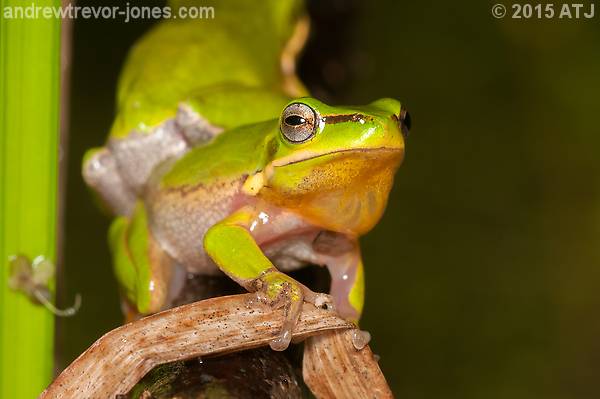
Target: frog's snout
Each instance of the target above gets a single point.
(404, 122)
(397, 112)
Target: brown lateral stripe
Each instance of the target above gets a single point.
(345, 118)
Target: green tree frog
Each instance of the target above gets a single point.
(218, 162)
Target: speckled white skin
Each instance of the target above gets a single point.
(179, 218)
(119, 172)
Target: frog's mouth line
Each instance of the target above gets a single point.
(296, 159)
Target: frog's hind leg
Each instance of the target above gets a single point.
(142, 268)
(120, 172)
(101, 173)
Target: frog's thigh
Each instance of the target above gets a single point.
(101, 172)
(142, 268)
(348, 284)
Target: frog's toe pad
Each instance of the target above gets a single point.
(360, 338)
(282, 341)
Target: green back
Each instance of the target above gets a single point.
(179, 59)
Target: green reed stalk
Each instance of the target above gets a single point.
(29, 137)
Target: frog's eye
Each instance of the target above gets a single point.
(405, 122)
(298, 122)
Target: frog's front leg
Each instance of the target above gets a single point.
(232, 245)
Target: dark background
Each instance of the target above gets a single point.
(483, 276)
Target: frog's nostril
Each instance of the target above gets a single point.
(405, 122)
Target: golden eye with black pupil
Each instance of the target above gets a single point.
(298, 122)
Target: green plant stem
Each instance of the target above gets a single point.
(29, 128)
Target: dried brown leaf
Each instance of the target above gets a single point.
(333, 368)
(119, 359)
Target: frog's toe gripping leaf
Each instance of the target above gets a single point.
(280, 291)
